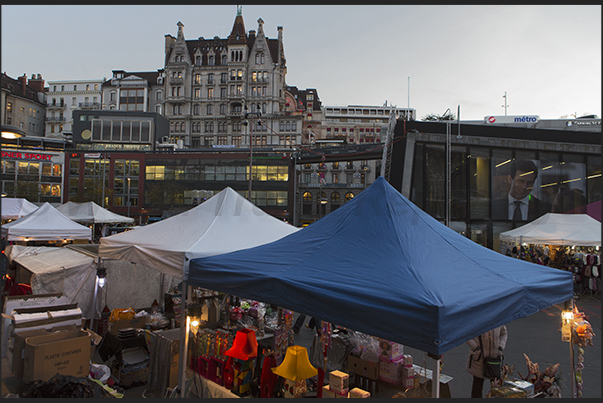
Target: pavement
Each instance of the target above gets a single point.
(537, 336)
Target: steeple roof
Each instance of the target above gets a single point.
(237, 35)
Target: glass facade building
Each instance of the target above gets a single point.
(480, 165)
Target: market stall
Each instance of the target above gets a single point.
(14, 208)
(381, 266)
(45, 224)
(565, 241)
(226, 222)
(90, 213)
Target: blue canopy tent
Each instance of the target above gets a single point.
(382, 266)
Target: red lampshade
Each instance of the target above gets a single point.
(245, 345)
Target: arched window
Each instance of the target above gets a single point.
(349, 196)
(307, 203)
(224, 61)
(321, 204)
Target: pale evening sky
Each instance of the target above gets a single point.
(547, 58)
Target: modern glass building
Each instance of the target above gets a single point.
(459, 173)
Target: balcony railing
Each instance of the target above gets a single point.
(89, 105)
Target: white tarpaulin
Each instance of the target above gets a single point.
(91, 213)
(224, 223)
(45, 224)
(14, 208)
(557, 229)
(65, 271)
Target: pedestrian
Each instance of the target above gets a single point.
(490, 344)
(300, 321)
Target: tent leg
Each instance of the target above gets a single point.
(435, 378)
(570, 305)
(183, 339)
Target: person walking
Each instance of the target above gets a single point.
(490, 344)
(300, 321)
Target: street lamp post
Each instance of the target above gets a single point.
(247, 114)
(128, 197)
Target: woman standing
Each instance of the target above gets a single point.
(490, 344)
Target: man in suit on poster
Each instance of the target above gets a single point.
(520, 204)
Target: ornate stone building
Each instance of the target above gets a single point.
(220, 92)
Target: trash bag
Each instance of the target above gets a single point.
(100, 372)
(64, 386)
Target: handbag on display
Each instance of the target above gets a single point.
(492, 365)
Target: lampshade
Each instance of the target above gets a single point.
(245, 345)
(296, 365)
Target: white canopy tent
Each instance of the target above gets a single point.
(45, 224)
(91, 213)
(15, 208)
(224, 223)
(557, 229)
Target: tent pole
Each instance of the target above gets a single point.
(183, 339)
(435, 378)
(570, 304)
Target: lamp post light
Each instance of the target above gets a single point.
(12, 132)
(245, 123)
(128, 197)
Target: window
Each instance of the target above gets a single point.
(197, 93)
(349, 196)
(197, 78)
(210, 93)
(210, 78)
(210, 109)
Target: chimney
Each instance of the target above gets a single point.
(37, 83)
(23, 81)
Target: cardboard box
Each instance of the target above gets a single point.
(359, 393)
(391, 372)
(64, 352)
(327, 393)
(408, 360)
(409, 382)
(17, 346)
(136, 323)
(408, 372)
(339, 382)
(363, 368)
(390, 351)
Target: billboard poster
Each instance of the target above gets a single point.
(525, 189)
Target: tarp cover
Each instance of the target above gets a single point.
(91, 213)
(45, 224)
(224, 223)
(557, 229)
(13, 208)
(62, 270)
(382, 266)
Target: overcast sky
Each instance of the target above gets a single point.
(546, 58)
